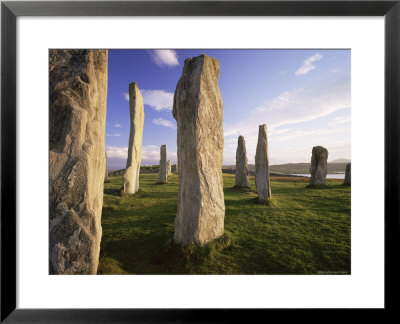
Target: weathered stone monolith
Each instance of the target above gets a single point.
(163, 172)
(242, 170)
(169, 169)
(106, 174)
(347, 177)
(198, 111)
(78, 97)
(319, 166)
(262, 180)
(130, 178)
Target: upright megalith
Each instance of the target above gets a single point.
(347, 177)
(169, 168)
(319, 166)
(263, 183)
(242, 170)
(163, 172)
(78, 97)
(130, 178)
(198, 111)
(106, 173)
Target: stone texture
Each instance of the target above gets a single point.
(347, 177)
(169, 168)
(163, 172)
(198, 111)
(263, 183)
(130, 178)
(106, 174)
(319, 166)
(78, 97)
(242, 170)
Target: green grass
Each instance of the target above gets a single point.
(301, 231)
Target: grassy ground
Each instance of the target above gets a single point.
(303, 230)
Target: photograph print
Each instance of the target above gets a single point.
(199, 161)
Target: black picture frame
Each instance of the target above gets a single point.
(10, 10)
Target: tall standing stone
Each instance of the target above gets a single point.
(106, 174)
(78, 97)
(242, 170)
(198, 111)
(319, 166)
(169, 168)
(163, 172)
(347, 177)
(136, 109)
(263, 183)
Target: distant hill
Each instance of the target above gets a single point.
(297, 168)
(340, 161)
(291, 168)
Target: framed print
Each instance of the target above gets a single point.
(318, 72)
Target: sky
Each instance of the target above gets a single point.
(303, 96)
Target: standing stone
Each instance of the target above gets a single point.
(198, 111)
(169, 170)
(163, 172)
(176, 168)
(242, 170)
(130, 178)
(319, 166)
(106, 175)
(263, 183)
(77, 117)
(347, 177)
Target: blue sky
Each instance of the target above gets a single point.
(303, 96)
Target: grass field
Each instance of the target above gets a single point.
(302, 231)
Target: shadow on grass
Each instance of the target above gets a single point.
(237, 189)
(267, 202)
(159, 254)
(114, 192)
(327, 186)
(110, 266)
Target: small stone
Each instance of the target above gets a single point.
(347, 177)
(242, 170)
(319, 166)
(162, 173)
(263, 183)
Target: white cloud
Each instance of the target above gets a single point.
(114, 135)
(296, 106)
(164, 122)
(340, 120)
(118, 125)
(115, 152)
(164, 57)
(150, 147)
(315, 133)
(282, 113)
(156, 99)
(308, 64)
